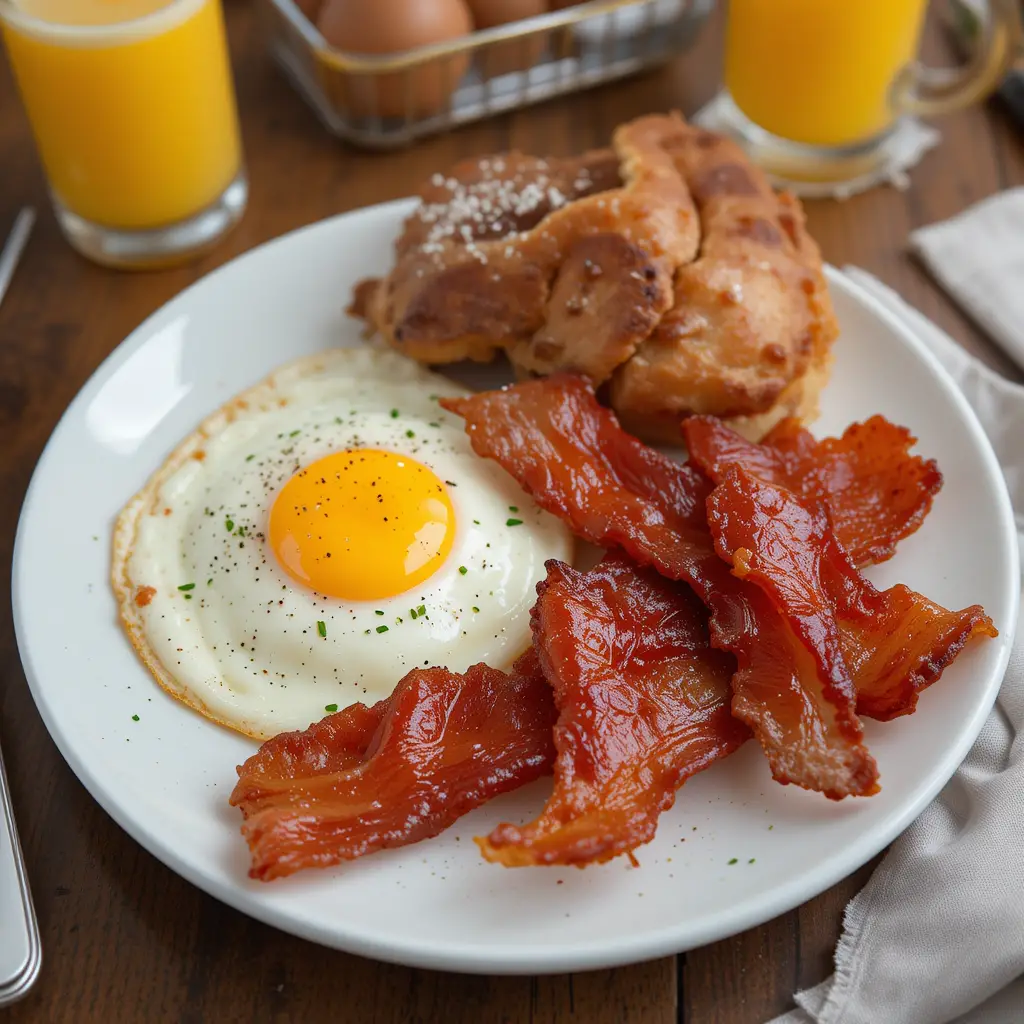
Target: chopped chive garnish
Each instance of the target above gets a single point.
(450, 483)
(209, 582)
(422, 610)
(513, 508)
(330, 707)
(433, 398)
(230, 524)
(476, 522)
(188, 597)
(412, 613)
(378, 612)
(295, 433)
(382, 629)
(135, 718)
(410, 433)
(751, 861)
(513, 522)
(463, 570)
(438, 425)
(187, 586)
(734, 860)
(337, 419)
(249, 458)
(475, 608)
(321, 627)
(394, 414)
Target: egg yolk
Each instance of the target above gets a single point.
(362, 524)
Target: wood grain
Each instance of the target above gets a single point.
(124, 937)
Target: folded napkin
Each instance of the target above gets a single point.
(937, 934)
(978, 257)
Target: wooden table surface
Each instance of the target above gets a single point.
(125, 938)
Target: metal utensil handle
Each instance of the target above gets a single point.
(20, 947)
(15, 246)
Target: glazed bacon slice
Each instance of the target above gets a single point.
(570, 453)
(643, 704)
(612, 490)
(365, 779)
(891, 643)
(876, 491)
(792, 690)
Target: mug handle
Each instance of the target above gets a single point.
(929, 91)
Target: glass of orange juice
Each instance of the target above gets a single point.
(816, 88)
(133, 110)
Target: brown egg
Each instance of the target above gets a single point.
(516, 54)
(488, 13)
(393, 26)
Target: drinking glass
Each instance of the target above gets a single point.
(816, 88)
(133, 110)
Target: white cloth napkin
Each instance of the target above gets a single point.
(937, 934)
(978, 257)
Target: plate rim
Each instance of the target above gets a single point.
(524, 959)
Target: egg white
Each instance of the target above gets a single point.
(227, 631)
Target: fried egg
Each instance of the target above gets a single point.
(321, 535)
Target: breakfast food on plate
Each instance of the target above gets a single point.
(643, 703)
(395, 27)
(501, 255)
(683, 284)
(647, 688)
(880, 647)
(876, 492)
(359, 527)
(795, 691)
(320, 536)
(367, 779)
(750, 332)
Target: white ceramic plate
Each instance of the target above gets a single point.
(166, 778)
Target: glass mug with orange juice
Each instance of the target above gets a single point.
(815, 88)
(132, 107)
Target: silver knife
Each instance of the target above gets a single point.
(21, 953)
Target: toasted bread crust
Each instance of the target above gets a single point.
(665, 268)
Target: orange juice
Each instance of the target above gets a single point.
(131, 103)
(819, 71)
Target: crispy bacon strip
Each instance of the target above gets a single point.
(643, 704)
(366, 779)
(578, 463)
(571, 454)
(792, 691)
(876, 491)
(893, 643)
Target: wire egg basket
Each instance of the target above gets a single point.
(387, 101)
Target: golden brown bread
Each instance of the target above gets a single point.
(665, 268)
(751, 327)
(500, 255)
